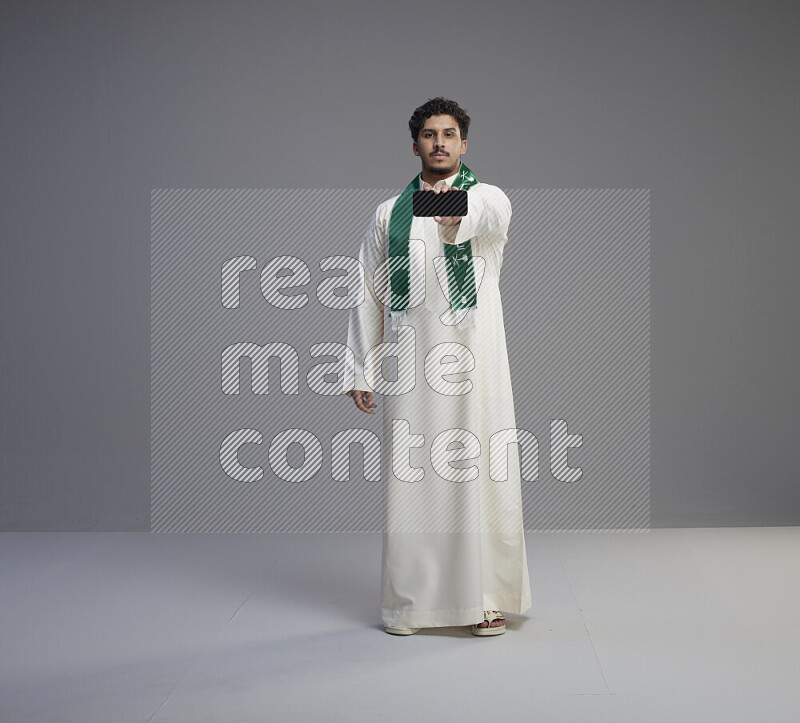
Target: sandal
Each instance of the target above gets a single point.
(489, 616)
(400, 630)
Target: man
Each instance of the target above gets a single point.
(454, 546)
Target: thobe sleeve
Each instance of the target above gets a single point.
(489, 215)
(365, 328)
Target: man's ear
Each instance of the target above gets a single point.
(414, 146)
(463, 147)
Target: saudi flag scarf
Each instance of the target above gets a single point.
(458, 258)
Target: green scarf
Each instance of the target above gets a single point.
(458, 257)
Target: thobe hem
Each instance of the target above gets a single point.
(507, 603)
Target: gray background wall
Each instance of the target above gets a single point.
(104, 101)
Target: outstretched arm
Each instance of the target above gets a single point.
(489, 215)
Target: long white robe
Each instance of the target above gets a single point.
(454, 542)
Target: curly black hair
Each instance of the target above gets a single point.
(438, 106)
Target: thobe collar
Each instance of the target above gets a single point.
(443, 182)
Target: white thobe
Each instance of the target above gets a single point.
(454, 544)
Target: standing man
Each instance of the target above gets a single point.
(454, 545)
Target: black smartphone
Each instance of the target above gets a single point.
(450, 203)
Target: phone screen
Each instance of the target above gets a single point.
(451, 203)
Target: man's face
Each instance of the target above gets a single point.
(439, 145)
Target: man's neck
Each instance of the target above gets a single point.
(431, 179)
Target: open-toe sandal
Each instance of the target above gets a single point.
(400, 630)
(489, 616)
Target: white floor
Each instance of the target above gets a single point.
(669, 625)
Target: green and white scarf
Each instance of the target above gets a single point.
(458, 258)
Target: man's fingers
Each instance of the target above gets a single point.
(363, 401)
(445, 220)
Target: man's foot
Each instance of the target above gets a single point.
(400, 630)
(494, 623)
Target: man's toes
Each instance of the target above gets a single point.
(495, 623)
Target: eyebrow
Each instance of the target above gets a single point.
(431, 129)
